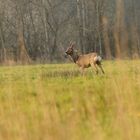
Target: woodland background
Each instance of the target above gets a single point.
(39, 31)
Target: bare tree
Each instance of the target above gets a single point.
(22, 53)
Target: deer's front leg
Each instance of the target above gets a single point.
(93, 65)
(82, 70)
(100, 66)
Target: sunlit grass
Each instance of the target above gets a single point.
(56, 102)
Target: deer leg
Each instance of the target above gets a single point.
(82, 70)
(94, 66)
(100, 66)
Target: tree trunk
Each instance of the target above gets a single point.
(98, 27)
(117, 29)
(80, 26)
(134, 31)
(23, 56)
(106, 38)
(3, 50)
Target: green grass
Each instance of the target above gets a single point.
(56, 102)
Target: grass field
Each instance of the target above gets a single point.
(55, 102)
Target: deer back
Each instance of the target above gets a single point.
(86, 59)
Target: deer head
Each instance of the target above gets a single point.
(70, 49)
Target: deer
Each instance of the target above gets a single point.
(85, 60)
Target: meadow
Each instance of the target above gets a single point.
(56, 102)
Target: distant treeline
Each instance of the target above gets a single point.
(40, 30)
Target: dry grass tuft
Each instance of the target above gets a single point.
(63, 74)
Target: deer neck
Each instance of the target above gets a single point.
(75, 57)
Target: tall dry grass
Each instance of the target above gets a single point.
(55, 102)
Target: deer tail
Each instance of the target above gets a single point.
(98, 60)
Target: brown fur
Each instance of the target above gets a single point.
(86, 60)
